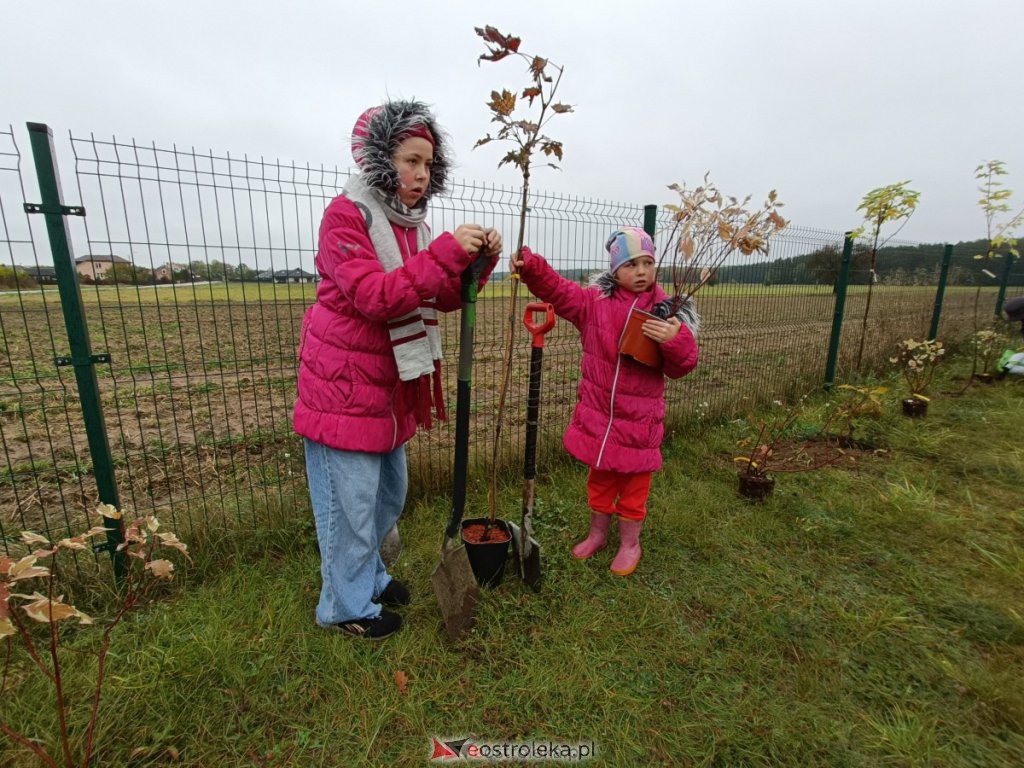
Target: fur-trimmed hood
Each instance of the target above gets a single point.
(384, 129)
(687, 313)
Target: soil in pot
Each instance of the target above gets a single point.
(915, 408)
(756, 486)
(635, 344)
(487, 556)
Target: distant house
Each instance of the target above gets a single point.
(165, 272)
(96, 266)
(42, 275)
(297, 275)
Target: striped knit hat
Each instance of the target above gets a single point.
(628, 243)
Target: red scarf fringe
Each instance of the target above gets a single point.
(425, 397)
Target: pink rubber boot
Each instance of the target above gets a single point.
(597, 537)
(628, 556)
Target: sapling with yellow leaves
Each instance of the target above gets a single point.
(1001, 225)
(881, 206)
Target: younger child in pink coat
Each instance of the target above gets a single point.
(618, 424)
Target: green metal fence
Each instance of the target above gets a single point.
(195, 374)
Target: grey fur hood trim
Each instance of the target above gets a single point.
(383, 131)
(687, 313)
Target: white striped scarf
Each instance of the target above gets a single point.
(415, 336)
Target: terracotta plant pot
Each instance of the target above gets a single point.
(635, 344)
(756, 487)
(487, 558)
(914, 407)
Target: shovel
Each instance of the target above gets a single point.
(526, 548)
(454, 583)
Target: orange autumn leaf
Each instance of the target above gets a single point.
(402, 681)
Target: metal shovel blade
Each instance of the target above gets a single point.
(456, 590)
(527, 553)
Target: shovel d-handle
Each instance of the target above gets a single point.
(539, 329)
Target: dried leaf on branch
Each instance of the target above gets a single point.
(708, 227)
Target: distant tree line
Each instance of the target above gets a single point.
(896, 265)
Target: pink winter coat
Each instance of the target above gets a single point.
(619, 419)
(350, 396)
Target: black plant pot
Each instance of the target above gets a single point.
(756, 487)
(915, 408)
(487, 558)
(984, 378)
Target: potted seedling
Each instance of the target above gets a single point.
(707, 228)
(851, 411)
(917, 361)
(984, 344)
(521, 115)
(755, 480)
(775, 446)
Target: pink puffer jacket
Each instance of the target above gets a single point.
(619, 419)
(350, 396)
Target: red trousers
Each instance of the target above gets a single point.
(622, 493)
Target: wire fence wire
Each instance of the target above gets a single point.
(196, 269)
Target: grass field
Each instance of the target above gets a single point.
(864, 616)
(199, 393)
(186, 293)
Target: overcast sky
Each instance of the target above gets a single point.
(820, 100)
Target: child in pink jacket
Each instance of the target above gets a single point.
(370, 351)
(618, 424)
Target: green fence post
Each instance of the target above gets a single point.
(837, 316)
(53, 209)
(947, 257)
(1003, 283)
(650, 219)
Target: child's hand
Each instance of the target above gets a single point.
(515, 262)
(492, 243)
(661, 330)
(470, 237)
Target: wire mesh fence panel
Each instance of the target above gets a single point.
(971, 294)
(569, 232)
(888, 299)
(1015, 279)
(1013, 324)
(198, 289)
(197, 267)
(43, 473)
(766, 323)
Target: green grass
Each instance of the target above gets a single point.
(858, 618)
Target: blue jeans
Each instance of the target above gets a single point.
(357, 498)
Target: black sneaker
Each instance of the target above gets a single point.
(374, 628)
(395, 594)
